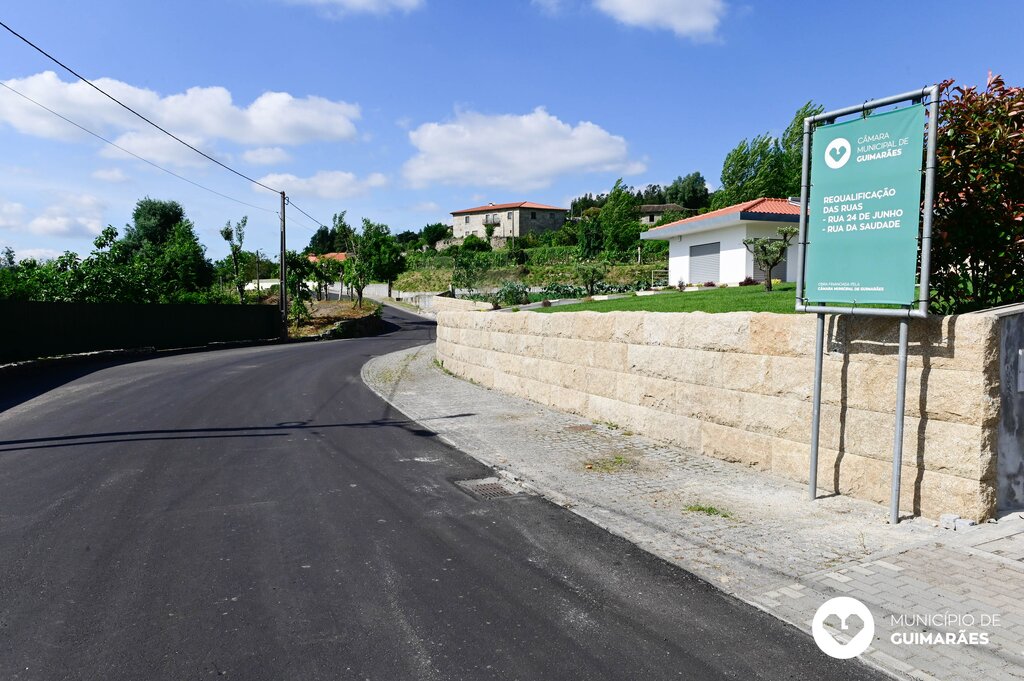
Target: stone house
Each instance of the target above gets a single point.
(650, 213)
(508, 219)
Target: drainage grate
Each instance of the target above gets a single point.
(488, 488)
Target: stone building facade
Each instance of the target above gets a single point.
(508, 219)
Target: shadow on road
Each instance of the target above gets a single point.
(276, 430)
(16, 388)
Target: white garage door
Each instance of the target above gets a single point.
(705, 263)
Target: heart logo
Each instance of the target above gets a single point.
(841, 616)
(837, 153)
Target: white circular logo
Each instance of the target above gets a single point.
(837, 153)
(846, 611)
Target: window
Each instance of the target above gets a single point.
(509, 215)
(467, 219)
(533, 215)
(650, 218)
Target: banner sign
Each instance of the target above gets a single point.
(865, 208)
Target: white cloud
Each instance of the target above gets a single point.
(156, 147)
(202, 115)
(514, 152)
(266, 156)
(114, 175)
(75, 215)
(342, 7)
(686, 18)
(326, 184)
(427, 207)
(11, 214)
(37, 254)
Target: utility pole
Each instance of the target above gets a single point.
(257, 272)
(283, 293)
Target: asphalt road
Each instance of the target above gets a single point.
(258, 513)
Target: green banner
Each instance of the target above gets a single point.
(865, 209)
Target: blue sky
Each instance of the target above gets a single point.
(405, 110)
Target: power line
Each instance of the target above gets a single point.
(131, 153)
(128, 108)
(318, 223)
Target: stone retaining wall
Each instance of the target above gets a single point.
(737, 387)
(442, 303)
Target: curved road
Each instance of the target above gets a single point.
(258, 513)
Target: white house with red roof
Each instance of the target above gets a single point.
(507, 219)
(709, 247)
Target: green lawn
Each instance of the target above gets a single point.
(732, 299)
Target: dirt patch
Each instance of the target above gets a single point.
(326, 314)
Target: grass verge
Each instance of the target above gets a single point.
(732, 299)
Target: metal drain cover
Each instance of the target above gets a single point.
(488, 488)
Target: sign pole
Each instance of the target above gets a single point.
(819, 353)
(897, 443)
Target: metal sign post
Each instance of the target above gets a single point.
(866, 196)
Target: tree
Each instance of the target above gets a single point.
(768, 253)
(467, 269)
(298, 271)
(689, 192)
(589, 236)
(178, 270)
(153, 221)
(407, 239)
(791, 151)
(978, 230)
(745, 172)
(431, 234)
(651, 194)
(321, 242)
(375, 255)
(334, 239)
(620, 219)
(765, 166)
(383, 252)
(590, 274)
(326, 271)
(235, 236)
(580, 204)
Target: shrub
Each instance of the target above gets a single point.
(710, 284)
(978, 248)
(681, 285)
(560, 290)
(723, 285)
(512, 293)
(749, 281)
(545, 303)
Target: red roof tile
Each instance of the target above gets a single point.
(506, 206)
(340, 257)
(766, 206)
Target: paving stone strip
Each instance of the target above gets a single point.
(753, 534)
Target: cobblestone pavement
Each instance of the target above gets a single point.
(750, 533)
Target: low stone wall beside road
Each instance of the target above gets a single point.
(737, 387)
(443, 303)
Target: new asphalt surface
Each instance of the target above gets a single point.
(258, 513)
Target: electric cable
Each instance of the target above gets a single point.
(131, 110)
(131, 153)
